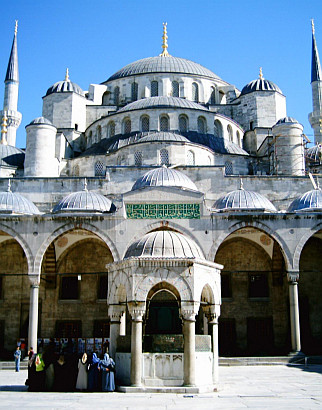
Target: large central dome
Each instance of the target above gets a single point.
(163, 64)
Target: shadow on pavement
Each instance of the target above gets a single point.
(14, 388)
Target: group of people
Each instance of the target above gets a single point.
(69, 371)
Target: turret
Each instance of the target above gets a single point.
(10, 103)
(315, 117)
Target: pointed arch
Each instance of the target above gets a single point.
(304, 238)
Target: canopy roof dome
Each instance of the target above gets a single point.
(14, 203)
(242, 200)
(309, 202)
(65, 86)
(163, 136)
(164, 244)
(162, 102)
(161, 64)
(11, 156)
(164, 177)
(84, 201)
(40, 120)
(261, 84)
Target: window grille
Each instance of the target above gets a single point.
(164, 124)
(183, 124)
(218, 129)
(175, 89)
(127, 126)
(201, 125)
(195, 92)
(138, 158)
(164, 157)
(116, 95)
(190, 158)
(154, 89)
(228, 168)
(111, 129)
(134, 91)
(99, 169)
(145, 124)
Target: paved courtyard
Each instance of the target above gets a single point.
(257, 387)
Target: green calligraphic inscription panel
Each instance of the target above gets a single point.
(163, 211)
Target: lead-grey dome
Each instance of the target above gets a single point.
(163, 136)
(308, 202)
(314, 153)
(84, 201)
(164, 244)
(287, 120)
(40, 120)
(11, 157)
(242, 200)
(261, 84)
(14, 203)
(164, 177)
(162, 64)
(64, 87)
(162, 102)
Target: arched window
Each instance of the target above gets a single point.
(116, 95)
(238, 138)
(228, 168)
(218, 129)
(134, 91)
(106, 98)
(183, 123)
(213, 96)
(154, 89)
(175, 89)
(201, 125)
(111, 129)
(138, 158)
(164, 157)
(190, 158)
(99, 169)
(98, 133)
(230, 133)
(145, 123)
(164, 123)
(195, 92)
(126, 126)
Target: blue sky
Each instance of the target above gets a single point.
(94, 39)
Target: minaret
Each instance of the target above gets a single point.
(10, 102)
(315, 117)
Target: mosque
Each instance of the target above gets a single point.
(167, 212)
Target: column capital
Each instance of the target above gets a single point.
(115, 312)
(189, 310)
(34, 280)
(212, 313)
(293, 276)
(137, 310)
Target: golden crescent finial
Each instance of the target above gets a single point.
(165, 42)
(16, 26)
(260, 73)
(67, 75)
(313, 28)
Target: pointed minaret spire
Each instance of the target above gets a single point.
(12, 70)
(316, 73)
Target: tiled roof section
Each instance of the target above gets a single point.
(163, 65)
(161, 102)
(310, 201)
(242, 200)
(84, 201)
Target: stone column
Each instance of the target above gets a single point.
(137, 310)
(33, 311)
(188, 313)
(115, 313)
(293, 278)
(212, 314)
(123, 324)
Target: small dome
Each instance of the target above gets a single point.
(163, 136)
(314, 153)
(162, 64)
(164, 244)
(287, 120)
(164, 177)
(11, 156)
(309, 202)
(14, 203)
(64, 87)
(162, 102)
(242, 200)
(40, 120)
(260, 85)
(84, 201)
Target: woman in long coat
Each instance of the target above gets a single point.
(81, 383)
(107, 366)
(93, 373)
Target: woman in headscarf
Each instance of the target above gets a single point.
(107, 366)
(93, 373)
(81, 383)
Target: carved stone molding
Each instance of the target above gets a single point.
(115, 312)
(293, 277)
(137, 310)
(189, 310)
(34, 280)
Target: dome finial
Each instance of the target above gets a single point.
(165, 42)
(85, 184)
(16, 26)
(67, 75)
(261, 73)
(313, 28)
(4, 129)
(9, 185)
(241, 184)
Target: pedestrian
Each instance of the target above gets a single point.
(93, 373)
(107, 367)
(23, 349)
(81, 383)
(17, 356)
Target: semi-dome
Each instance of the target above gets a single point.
(84, 201)
(164, 177)
(40, 120)
(287, 120)
(242, 200)
(163, 136)
(164, 244)
(308, 202)
(161, 64)
(162, 102)
(11, 156)
(261, 84)
(14, 203)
